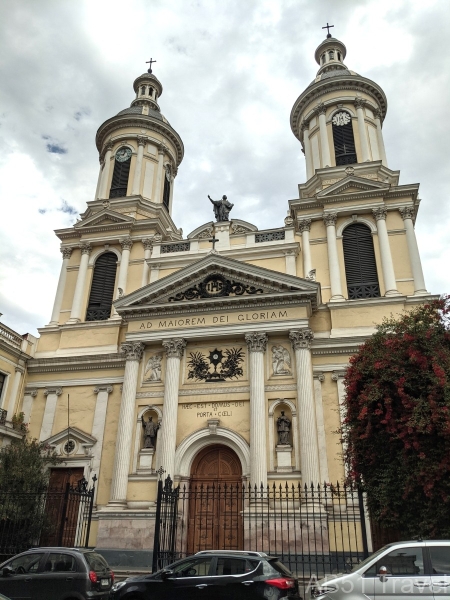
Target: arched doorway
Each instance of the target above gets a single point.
(215, 501)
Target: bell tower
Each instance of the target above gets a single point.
(338, 118)
(139, 150)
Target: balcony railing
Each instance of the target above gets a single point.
(3, 414)
(10, 335)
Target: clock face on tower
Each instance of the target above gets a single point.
(123, 154)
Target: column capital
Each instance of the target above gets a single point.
(320, 109)
(126, 243)
(301, 338)
(103, 388)
(378, 114)
(174, 347)
(33, 393)
(319, 376)
(66, 252)
(54, 390)
(256, 341)
(360, 102)
(330, 219)
(19, 369)
(86, 248)
(337, 375)
(304, 125)
(109, 146)
(147, 243)
(132, 350)
(379, 213)
(162, 149)
(304, 225)
(141, 140)
(407, 212)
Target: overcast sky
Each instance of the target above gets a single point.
(231, 71)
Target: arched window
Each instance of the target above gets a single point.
(344, 142)
(119, 182)
(166, 192)
(360, 264)
(142, 90)
(331, 54)
(102, 289)
(150, 91)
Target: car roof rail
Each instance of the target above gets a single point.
(240, 552)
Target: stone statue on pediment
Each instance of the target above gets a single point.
(221, 208)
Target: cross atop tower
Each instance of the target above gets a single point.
(328, 27)
(153, 61)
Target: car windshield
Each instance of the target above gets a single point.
(367, 560)
(96, 562)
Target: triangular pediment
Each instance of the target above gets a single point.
(218, 279)
(104, 217)
(71, 442)
(353, 185)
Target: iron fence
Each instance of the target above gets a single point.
(314, 530)
(45, 517)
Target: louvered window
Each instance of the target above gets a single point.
(360, 265)
(102, 290)
(166, 193)
(344, 142)
(121, 172)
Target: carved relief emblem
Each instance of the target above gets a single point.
(221, 365)
(215, 285)
(152, 370)
(341, 118)
(281, 360)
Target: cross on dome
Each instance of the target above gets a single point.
(328, 27)
(150, 63)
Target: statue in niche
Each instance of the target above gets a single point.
(154, 366)
(150, 431)
(281, 361)
(283, 429)
(221, 208)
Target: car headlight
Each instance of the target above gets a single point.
(117, 586)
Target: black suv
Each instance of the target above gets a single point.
(56, 574)
(213, 575)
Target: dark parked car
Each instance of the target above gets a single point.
(213, 575)
(56, 574)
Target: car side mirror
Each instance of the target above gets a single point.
(383, 572)
(167, 574)
(7, 571)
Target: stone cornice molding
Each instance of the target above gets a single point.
(174, 347)
(407, 212)
(103, 388)
(142, 140)
(57, 391)
(66, 252)
(86, 248)
(62, 364)
(379, 213)
(330, 219)
(126, 243)
(256, 341)
(304, 225)
(301, 338)
(132, 350)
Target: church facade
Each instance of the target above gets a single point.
(219, 356)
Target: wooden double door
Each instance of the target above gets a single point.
(215, 501)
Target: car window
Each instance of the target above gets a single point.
(60, 563)
(232, 566)
(96, 561)
(197, 567)
(440, 560)
(280, 568)
(403, 561)
(27, 563)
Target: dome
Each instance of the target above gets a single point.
(139, 110)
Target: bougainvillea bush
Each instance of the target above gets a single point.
(397, 428)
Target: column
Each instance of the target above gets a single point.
(416, 266)
(136, 189)
(365, 153)
(333, 259)
(14, 391)
(105, 172)
(133, 353)
(51, 395)
(98, 426)
(147, 243)
(172, 185)
(304, 227)
(174, 348)
(127, 244)
(381, 148)
(66, 252)
(309, 450)
(387, 265)
(325, 149)
(257, 344)
(307, 148)
(159, 175)
(99, 180)
(27, 404)
(78, 296)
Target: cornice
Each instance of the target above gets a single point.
(14, 351)
(76, 363)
